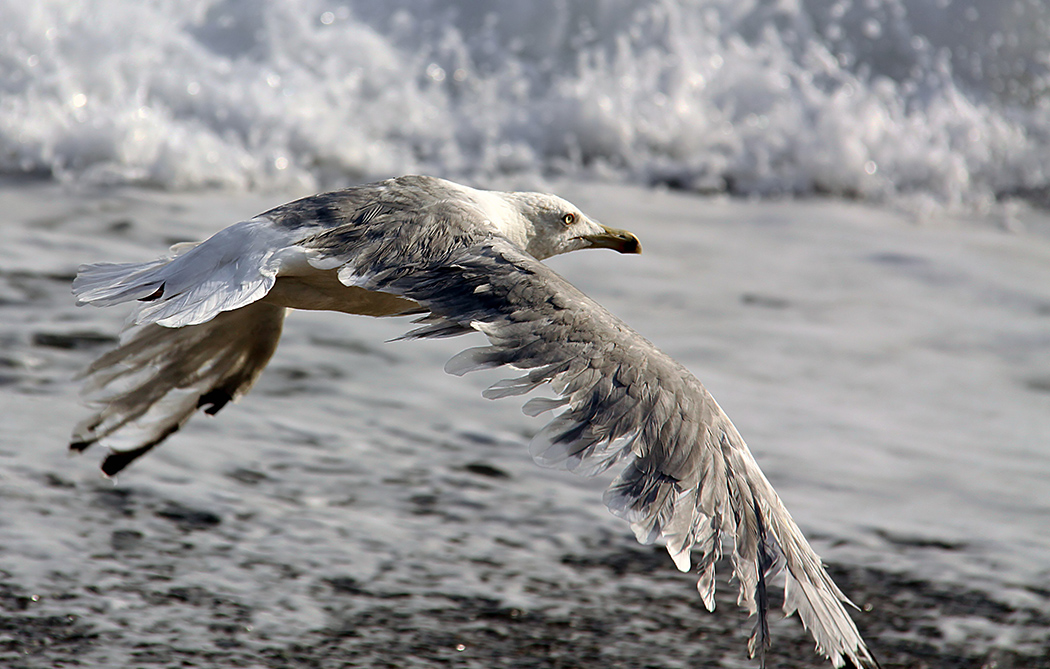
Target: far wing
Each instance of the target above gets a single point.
(688, 478)
(146, 389)
(209, 316)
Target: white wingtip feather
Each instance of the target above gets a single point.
(681, 559)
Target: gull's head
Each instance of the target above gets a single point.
(546, 225)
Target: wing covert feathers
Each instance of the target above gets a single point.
(203, 329)
(688, 476)
(203, 335)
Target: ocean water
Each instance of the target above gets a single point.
(891, 378)
(928, 103)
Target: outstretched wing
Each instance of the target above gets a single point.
(209, 317)
(688, 478)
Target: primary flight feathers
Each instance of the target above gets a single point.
(467, 260)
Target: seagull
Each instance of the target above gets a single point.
(464, 260)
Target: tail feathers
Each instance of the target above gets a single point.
(106, 284)
(231, 269)
(150, 385)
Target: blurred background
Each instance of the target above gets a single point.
(843, 206)
(929, 103)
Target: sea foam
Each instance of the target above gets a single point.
(932, 100)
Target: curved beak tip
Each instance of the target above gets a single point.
(618, 240)
(630, 245)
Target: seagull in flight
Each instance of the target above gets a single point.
(464, 260)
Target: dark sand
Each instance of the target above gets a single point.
(626, 608)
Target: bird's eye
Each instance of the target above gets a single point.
(569, 218)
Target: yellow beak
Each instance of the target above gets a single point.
(618, 240)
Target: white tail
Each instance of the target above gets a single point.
(231, 269)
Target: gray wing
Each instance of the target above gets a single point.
(209, 317)
(688, 476)
(144, 390)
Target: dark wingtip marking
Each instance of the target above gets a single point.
(765, 563)
(80, 446)
(155, 295)
(215, 400)
(118, 460)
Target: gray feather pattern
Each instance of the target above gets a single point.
(688, 478)
(150, 385)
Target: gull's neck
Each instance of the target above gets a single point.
(504, 212)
